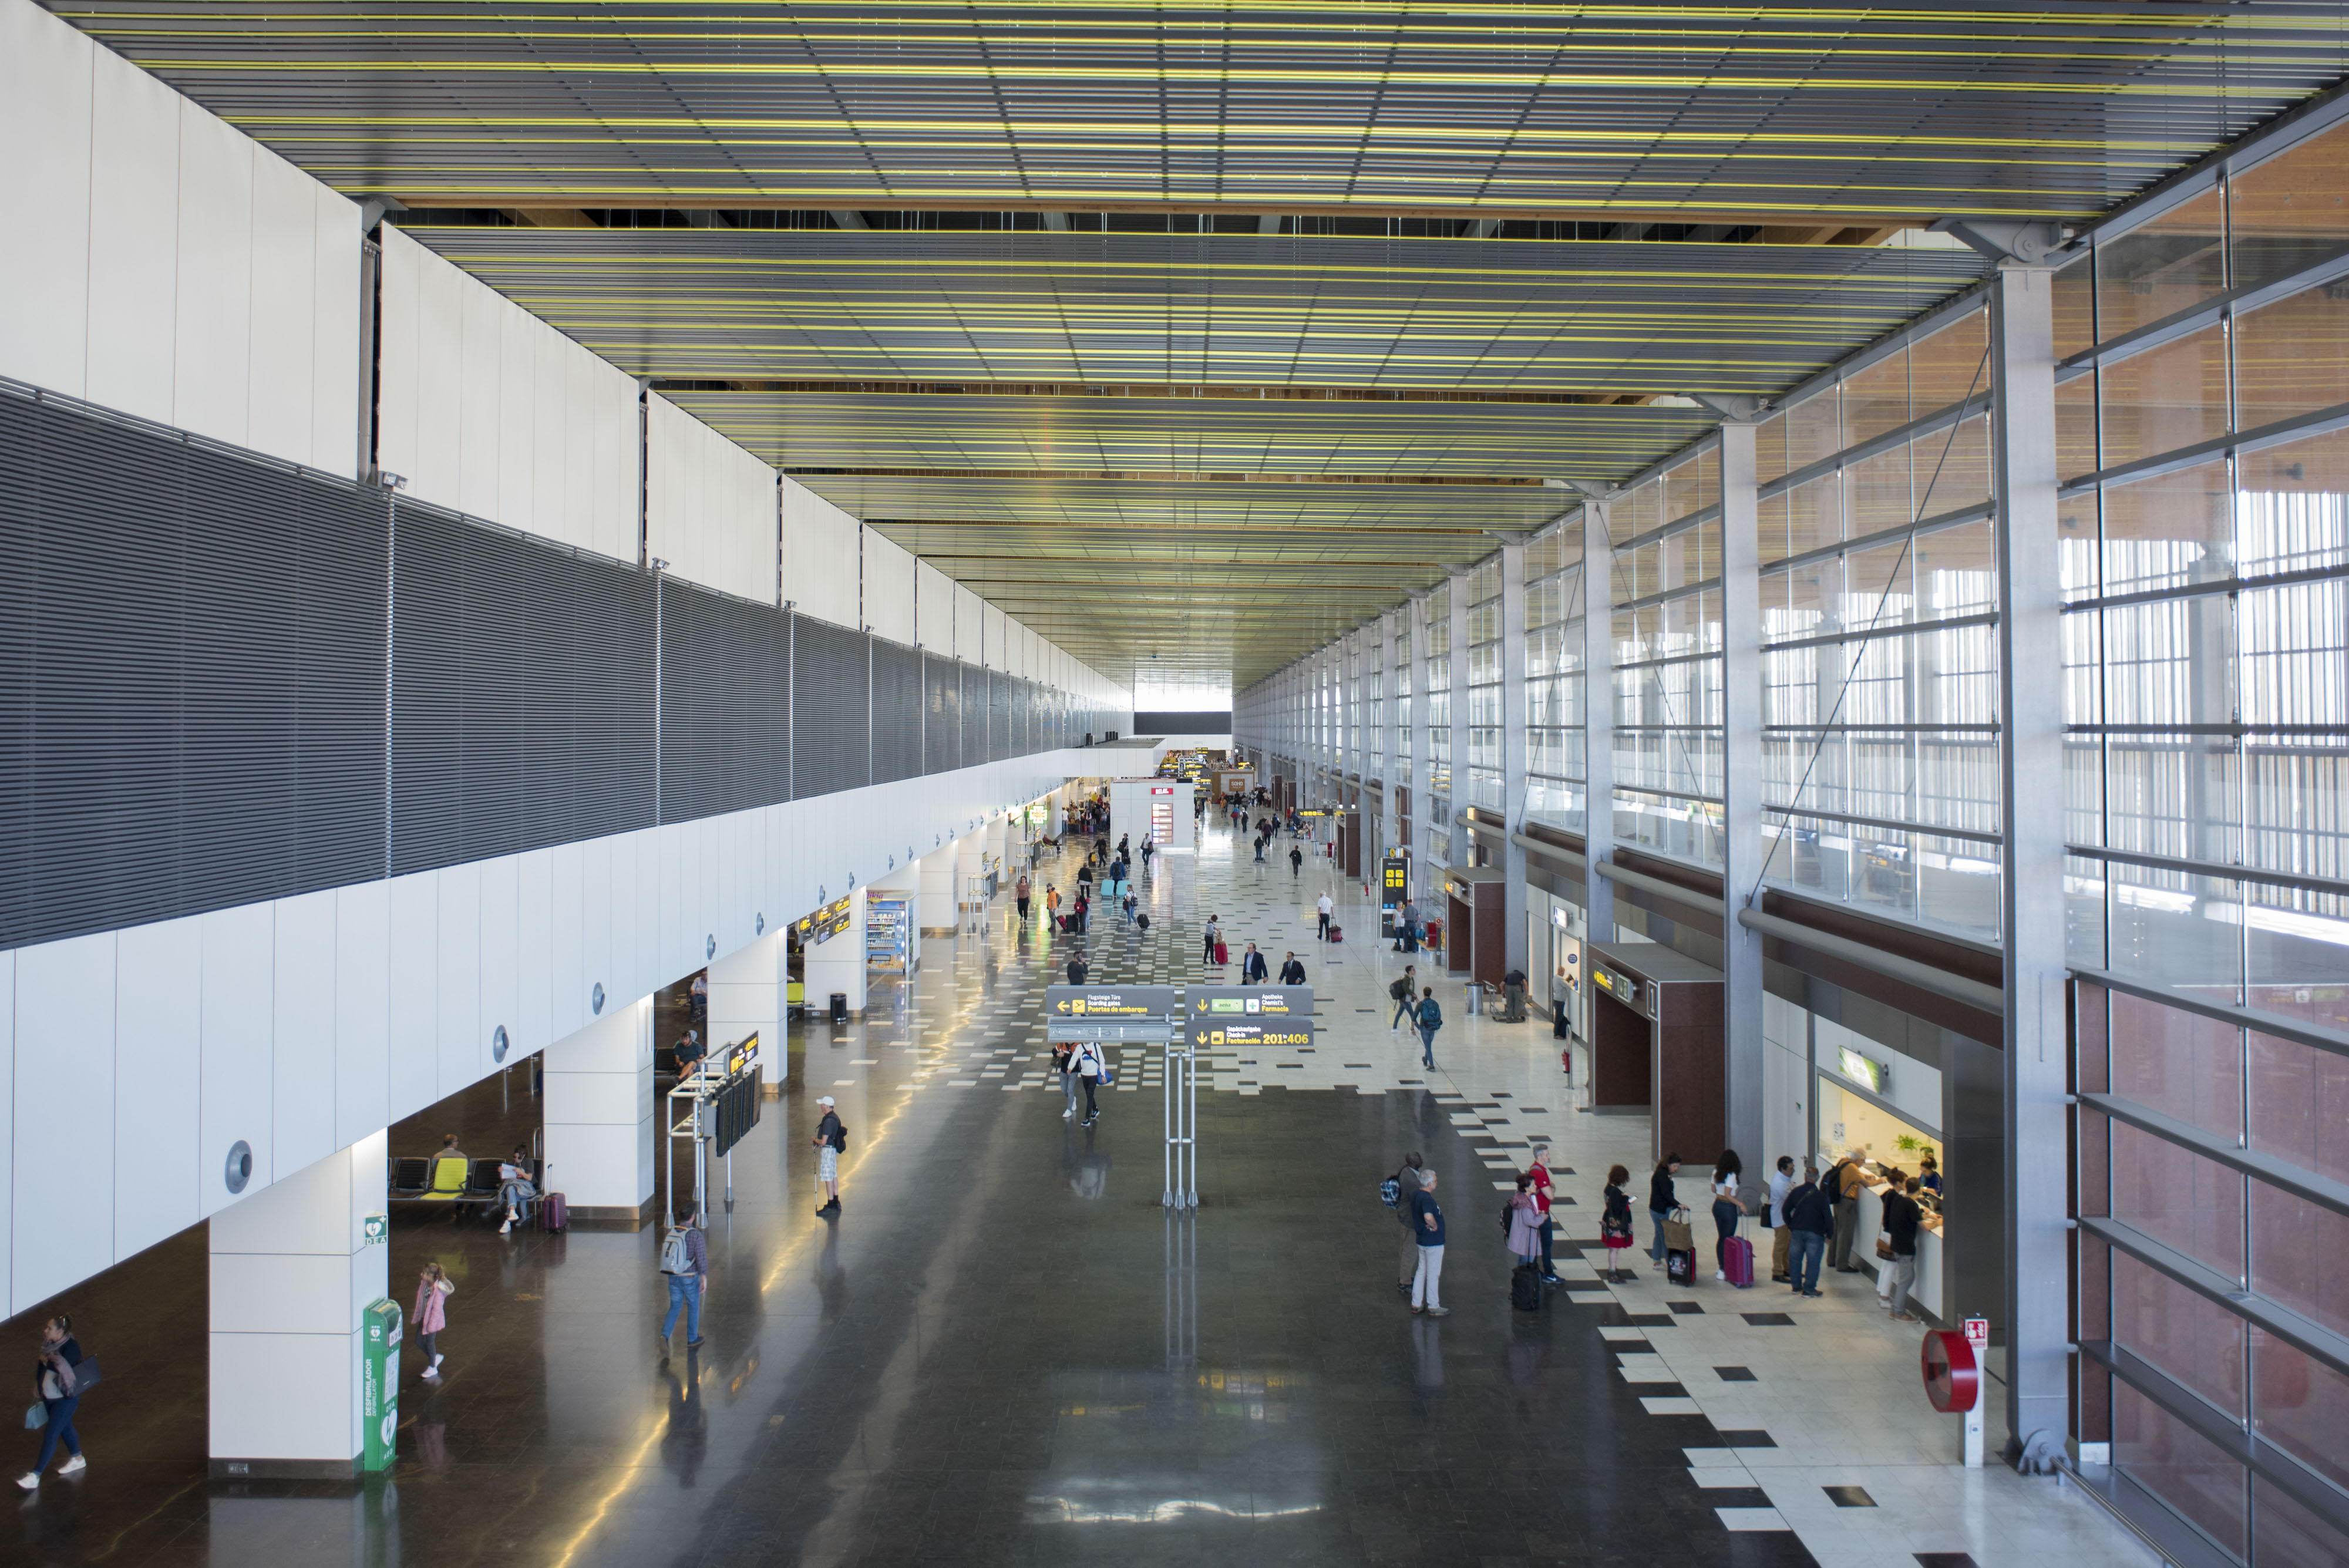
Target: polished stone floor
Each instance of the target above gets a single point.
(1005, 1351)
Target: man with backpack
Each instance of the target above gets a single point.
(1396, 1192)
(684, 1262)
(831, 1141)
(1401, 991)
(1430, 1018)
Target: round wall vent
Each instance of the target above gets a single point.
(240, 1164)
(498, 1044)
(595, 999)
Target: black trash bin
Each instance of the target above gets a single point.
(840, 1007)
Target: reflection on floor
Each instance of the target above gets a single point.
(1005, 1352)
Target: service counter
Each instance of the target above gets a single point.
(1924, 1292)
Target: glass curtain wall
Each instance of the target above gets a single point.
(1485, 715)
(2203, 423)
(1880, 631)
(1666, 608)
(1553, 765)
(1373, 709)
(1436, 703)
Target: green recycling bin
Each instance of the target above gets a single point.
(379, 1385)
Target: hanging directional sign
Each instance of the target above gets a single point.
(1109, 1001)
(1250, 1001)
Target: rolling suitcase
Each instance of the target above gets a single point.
(1337, 933)
(553, 1214)
(1680, 1265)
(1526, 1288)
(1223, 953)
(1737, 1262)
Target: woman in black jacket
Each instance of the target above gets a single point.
(1661, 1202)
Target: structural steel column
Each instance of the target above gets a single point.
(1742, 845)
(1390, 731)
(1598, 725)
(1458, 840)
(1422, 756)
(2031, 793)
(1516, 940)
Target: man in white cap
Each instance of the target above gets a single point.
(830, 1138)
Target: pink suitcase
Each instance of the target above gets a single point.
(1738, 1261)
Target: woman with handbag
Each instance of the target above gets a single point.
(57, 1385)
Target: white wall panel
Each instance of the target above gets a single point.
(414, 1015)
(969, 622)
(550, 447)
(517, 428)
(595, 925)
(134, 238)
(213, 358)
(63, 1197)
(335, 244)
(501, 984)
(568, 1014)
(282, 316)
(302, 1073)
(479, 440)
(534, 949)
(239, 1006)
(709, 506)
(362, 1011)
(456, 1046)
(934, 593)
(631, 967)
(888, 587)
(618, 460)
(995, 636)
(45, 124)
(157, 1059)
(819, 556)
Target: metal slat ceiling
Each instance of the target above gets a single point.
(1004, 401)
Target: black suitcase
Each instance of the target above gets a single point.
(1526, 1288)
(1680, 1266)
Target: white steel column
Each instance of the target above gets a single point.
(291, 1269)
(1598, 723)
(1459, 842)
(2031, 793)
(1423, 762)
(838, 964)
(1516, 941)
(1742, 772)
(749, 994)
(1393, 784)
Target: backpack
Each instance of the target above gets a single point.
(677, 1257)
(1833, 1186)
(1429, 1013)
(1400, 990)
(1508, 1211)
(839, 1138)
(1391, 1191)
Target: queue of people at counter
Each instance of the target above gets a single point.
(1813, 1219)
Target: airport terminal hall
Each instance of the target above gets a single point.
(882, 784)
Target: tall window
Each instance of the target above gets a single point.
(1436, 702)
(2203, 384)
(1553, 716)
(1879, 635)
(1666, 600)
(1484, 716)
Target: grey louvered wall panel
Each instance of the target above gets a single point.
(523, 693)
(897, 711)
(191, 656)
(1020, 704)
(941, 715)
(832, 698)
(725, 704)
(998, 715)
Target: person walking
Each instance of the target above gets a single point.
(1064, 1057)
(1084, 910)
(1019, 890)
(1430, 1018)
(1615, 1223)
(1149, 848)
(1325, 906)
(1253, 971)
(1087, 1062)
(1404, 990)
(58, 1385)
(685, 1263)
(1728, 1207)
(1810, 1220)
(1524, 1222)
(1427, 1220)
(1296, 862)
(1902, 1215)
(1291, 971)
(1128, 906)
(433, 1289)
(1052, 906)
(1407, 1185)
(1781, 1180)
(1539, 1171)
(1216, 953)
(1078, 968)
(514, 1187)
(1259, 848)
(831, 1138)
(1661, 1201)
